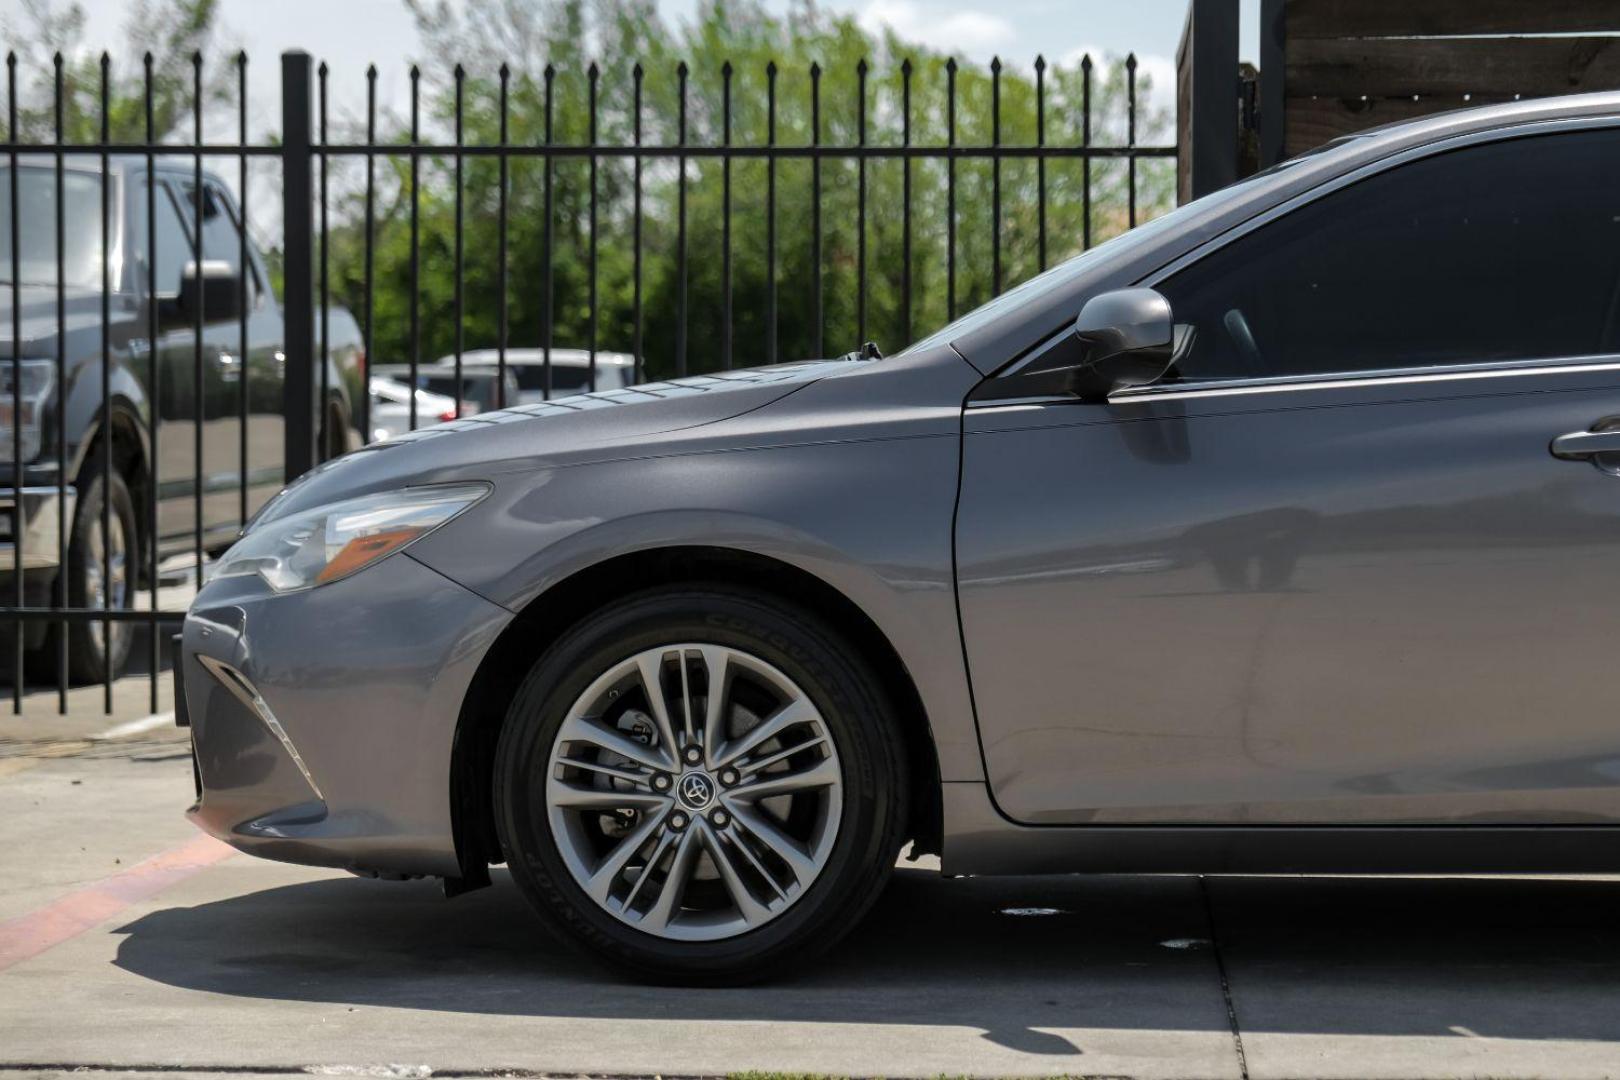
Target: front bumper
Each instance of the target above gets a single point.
(323, 720)
(37, 515)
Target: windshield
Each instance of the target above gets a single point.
(36, 217)
(1063, 273)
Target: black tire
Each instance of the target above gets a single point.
(337, 431)
(90, 658)
(853, 706)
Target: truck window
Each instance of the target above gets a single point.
(36, 222)
(173, 237)
(221, 229)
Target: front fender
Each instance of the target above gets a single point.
(871, 519)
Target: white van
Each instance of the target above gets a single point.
(570, 370)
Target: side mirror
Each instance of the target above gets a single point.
(215, 290)
(1121, 338)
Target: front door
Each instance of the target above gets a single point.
(1332, 571)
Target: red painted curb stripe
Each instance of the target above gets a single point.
(69, 916)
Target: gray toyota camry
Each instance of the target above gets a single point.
(1278, 534)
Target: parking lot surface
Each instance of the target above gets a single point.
(130, 942)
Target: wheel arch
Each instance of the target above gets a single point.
(131, 451)
(131, 459)
(545, 617)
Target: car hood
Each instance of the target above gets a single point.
(565, 431)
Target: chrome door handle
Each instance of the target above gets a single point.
(1584, 444)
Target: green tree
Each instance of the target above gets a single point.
(172, 31)
(741, 36)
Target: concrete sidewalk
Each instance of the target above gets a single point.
(242, 965)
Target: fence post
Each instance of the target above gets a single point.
(1273, 62)
(298, 293)
(1207, 96)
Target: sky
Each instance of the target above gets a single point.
(349, 34)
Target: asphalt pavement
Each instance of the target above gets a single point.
(131, 944)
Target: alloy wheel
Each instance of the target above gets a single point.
(694, 792)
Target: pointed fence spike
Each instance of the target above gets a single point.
(1040, 62)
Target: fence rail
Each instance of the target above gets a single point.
(193, 443)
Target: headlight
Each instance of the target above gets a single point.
(36, 378)
(332, 542)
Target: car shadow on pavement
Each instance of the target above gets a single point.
(1015, 957)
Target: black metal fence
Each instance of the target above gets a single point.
(126, 377)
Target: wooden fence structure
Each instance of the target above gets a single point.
(1334, 67)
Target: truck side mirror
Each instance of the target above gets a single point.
(214, 289)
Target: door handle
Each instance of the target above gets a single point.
(1584, 444)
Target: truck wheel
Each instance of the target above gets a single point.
(101, 571)
(337, 432)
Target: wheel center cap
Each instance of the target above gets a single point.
(696, 791)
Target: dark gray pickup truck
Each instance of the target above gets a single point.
(65, 419)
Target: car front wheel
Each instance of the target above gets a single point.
(700, 784)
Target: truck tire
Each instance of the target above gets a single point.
(94, 654)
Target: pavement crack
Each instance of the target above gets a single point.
(1226, 982)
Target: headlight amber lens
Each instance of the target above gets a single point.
(333, 542)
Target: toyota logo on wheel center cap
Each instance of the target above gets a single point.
(696, 791)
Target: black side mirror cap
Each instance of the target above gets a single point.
(1121, 338)
(1125, 338)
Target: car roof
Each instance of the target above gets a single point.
(88, 161)
(1466, 119)
(394, 370)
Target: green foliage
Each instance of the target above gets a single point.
(173, 32)
(618, 34)
(903, 299)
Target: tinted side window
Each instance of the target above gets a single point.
(221, 233)
(173, 242)
(1506, 251)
